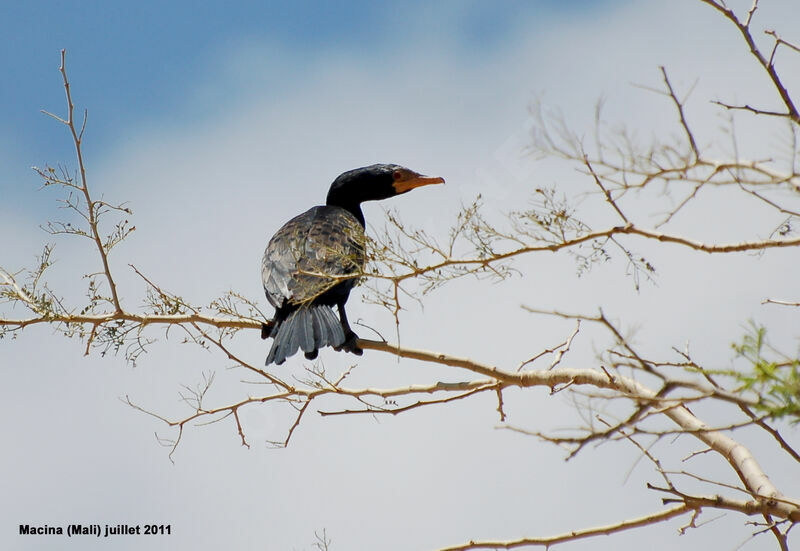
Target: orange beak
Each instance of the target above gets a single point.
(414, 180)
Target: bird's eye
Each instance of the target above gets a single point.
(397, 175)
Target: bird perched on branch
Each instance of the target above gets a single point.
(315, 259)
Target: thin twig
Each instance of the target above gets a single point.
(575, 535)
(679, 106)
(91, 206)
(744, 29)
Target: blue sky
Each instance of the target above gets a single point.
(135, 62)
(219, 121)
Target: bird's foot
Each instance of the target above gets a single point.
(349, 344)
(266, 330)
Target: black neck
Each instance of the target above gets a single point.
(353, 207)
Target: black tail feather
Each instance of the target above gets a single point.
(308, 328)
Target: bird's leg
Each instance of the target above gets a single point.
(268, 326)
(350, 338)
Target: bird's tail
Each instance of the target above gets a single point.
(309, 328)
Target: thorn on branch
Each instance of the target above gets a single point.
(239, 428)
(500, 403)
(90, 339)
(554, 390)
(691, 524)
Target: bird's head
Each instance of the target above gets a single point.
(375, 182)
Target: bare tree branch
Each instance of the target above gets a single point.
(575, 535)
(767, 65)
(91, 206)
(625, 395)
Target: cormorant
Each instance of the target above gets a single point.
(314, 260)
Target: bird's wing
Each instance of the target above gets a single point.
(311, 253)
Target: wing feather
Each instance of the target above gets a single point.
(310, 253)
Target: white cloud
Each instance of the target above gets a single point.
(208, 194)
